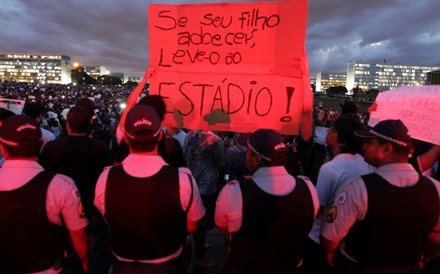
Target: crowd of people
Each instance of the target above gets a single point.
(89, 186)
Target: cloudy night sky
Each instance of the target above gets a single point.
(114, 33)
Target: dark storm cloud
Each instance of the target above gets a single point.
(401, 31)
(115, 33)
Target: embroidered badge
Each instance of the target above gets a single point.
(81, 212)
(332, 214)
(342, 198)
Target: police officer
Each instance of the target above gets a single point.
(149, 206)
(268, 216)
(383, 219)
(33, 204)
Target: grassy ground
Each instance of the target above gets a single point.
(337, 103)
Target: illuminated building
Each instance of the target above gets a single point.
(384, 76)
(433, 78)
(325, 80)
(123, 76)
(135, 79)
(96, 71)
(35, 68)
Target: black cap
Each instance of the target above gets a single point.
(20, 131)
(389, 130)
(142, 123)
(268, 144)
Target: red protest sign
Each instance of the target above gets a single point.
(231, 66)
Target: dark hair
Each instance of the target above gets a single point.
(79, 119)
(143, 146)
(155, 101)
(5, 113)
(274, 162)
(86, 103)
(33, 110)
(349, 107)
(345, 127)
(30, 150)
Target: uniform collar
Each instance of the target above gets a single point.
(269, 171)
(21, 164)
(397, 167)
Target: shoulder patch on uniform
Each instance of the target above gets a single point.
(341, 198)
(332, 214)
(81, 212)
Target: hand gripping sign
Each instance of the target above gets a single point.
(231, 66)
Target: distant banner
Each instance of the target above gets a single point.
(16, 106)
(231, 66)
(417, 107)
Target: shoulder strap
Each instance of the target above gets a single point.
(192, 193)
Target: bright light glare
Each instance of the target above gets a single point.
(122, 105)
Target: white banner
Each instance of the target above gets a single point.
(16, 106)
(417, 107)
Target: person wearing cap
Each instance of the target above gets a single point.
(381, 222)
(269, 215)
(150, 207)
(167, 146)
(347, 163)
(35, 204)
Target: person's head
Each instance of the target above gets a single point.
(341, 135)
(349, 107)
(155, 101)
(78, 120)
(5, 113)
(85, 102)
(265, 147)
(142, 129)
(34, 110)
(20, 137)
(387, 142)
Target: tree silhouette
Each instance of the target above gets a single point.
(80, 77)
(109, 80)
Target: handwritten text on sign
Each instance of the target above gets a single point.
(243, 61)
(227, 104)
(417, 107)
